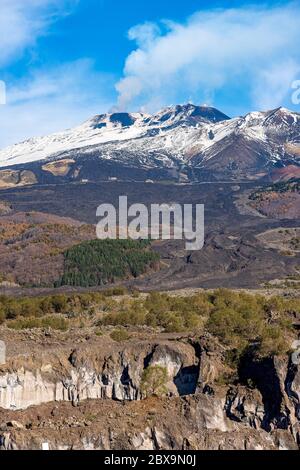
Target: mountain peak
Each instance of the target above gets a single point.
(282, 109)
(189, 114)
(210, 113)
(116, 119)
(282, 117)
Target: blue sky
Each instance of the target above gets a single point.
(64, 60)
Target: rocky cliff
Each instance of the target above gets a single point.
(97, 374)
(91, 397)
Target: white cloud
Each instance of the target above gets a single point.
(49, 100)
(252, 48)
(52, 100)
(23, 21)
(271, 85)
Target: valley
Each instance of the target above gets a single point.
(233, 255)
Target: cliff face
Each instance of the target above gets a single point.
(92, 397)
(92, 374)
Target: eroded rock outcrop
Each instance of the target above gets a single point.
(96, 375)
(199, 411)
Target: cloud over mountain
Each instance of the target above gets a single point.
(254, 49)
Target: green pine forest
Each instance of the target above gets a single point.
(100, 262)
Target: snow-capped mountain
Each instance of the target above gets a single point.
(114, 129)
(199, 138)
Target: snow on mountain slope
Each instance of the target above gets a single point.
(265, 134)
(194, 135)
(112, 128)
(98, 130)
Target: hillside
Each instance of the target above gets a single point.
(279, 201)
(32, 246)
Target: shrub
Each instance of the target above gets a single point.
(2, 315)
(242, 320)
(135, 294)
(55, 322)
(59, 303)
(115, 291)
(238, 319)
(154, 381)
(120, 335)
(272, 342)
(24, 323)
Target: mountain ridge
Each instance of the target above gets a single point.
(198, 137)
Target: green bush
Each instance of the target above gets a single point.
(154, 381)
(40, 306)
(115, 291)
(272, 342)
(241, 320)
(120, 335)
(2, 316)
(55, 322)
(172, 314)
